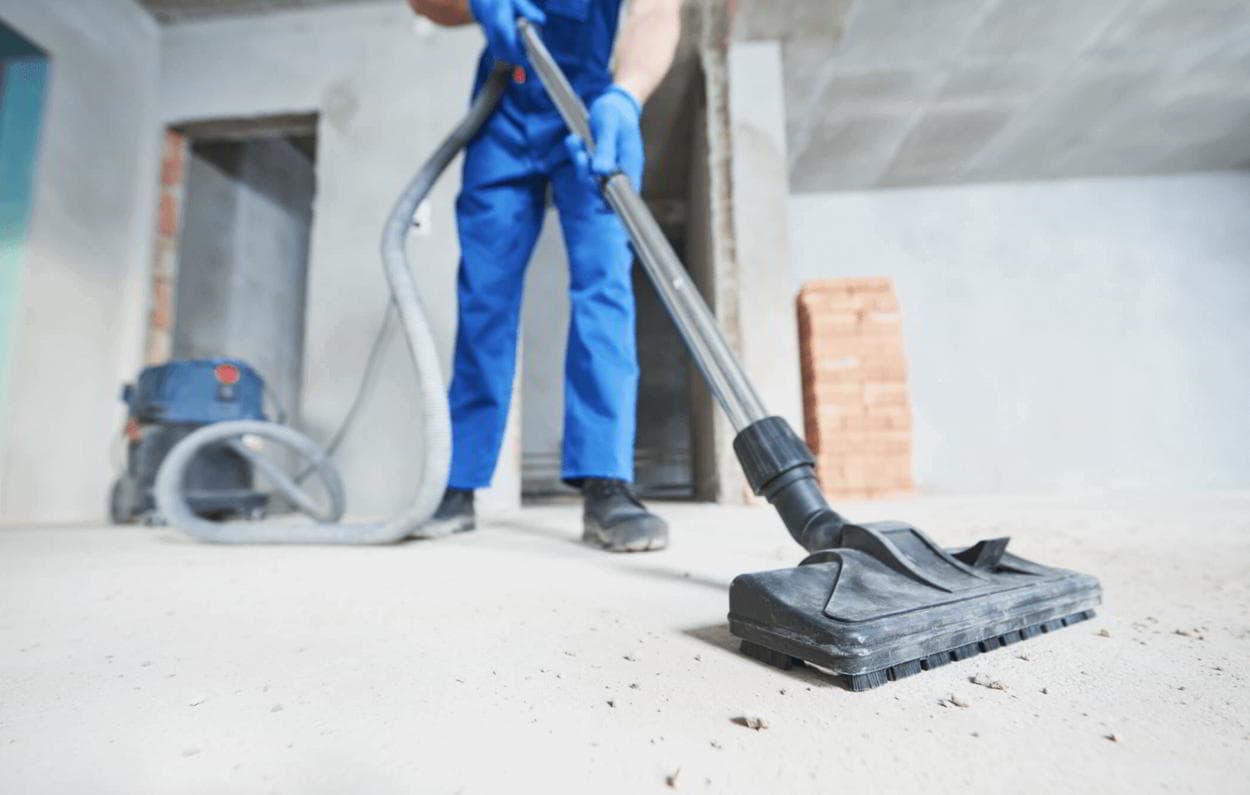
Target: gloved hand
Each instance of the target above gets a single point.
(498, 21)
(615, 122)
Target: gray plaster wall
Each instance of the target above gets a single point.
(242, 259)
(387, 88)
(84, 290)
(1061, 336)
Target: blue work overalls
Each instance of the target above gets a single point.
(499, 213)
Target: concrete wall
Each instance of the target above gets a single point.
(387, 89)
(1074, 335)
(79, 329)
(243, 257)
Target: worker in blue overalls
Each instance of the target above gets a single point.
(521, 150)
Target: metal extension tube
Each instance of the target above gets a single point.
(677, 290)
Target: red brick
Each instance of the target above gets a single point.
(854, 373)
(838, 394)
(874, 442)
(879, 322)
(870, 348)
(888, 417)
(162, 312)
(173, 159)
(168, 224)
(885, 394)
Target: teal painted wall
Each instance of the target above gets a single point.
(23, 78)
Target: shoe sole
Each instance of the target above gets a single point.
(595, 536)
(441, 528)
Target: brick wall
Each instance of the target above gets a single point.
(164, 266)
(856, 409)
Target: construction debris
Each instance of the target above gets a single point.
(985, 681)
(751, 722)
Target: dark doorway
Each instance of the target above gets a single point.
(662, 447)
(243, 248)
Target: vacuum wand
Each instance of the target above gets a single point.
(680, 295)
(777, 463)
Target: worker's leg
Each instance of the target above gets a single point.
(601, 361)
(499, 214)
(601, 372)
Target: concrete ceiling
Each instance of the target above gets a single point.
(915, 92)
(884, 93)
(173, 11)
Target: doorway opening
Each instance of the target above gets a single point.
(669, 402)
(237, 276)
(662, 447)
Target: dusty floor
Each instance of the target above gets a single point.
(513, 659)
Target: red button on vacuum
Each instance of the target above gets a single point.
(227, 374)
(518, 74)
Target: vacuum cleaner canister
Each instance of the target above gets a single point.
(888, 602)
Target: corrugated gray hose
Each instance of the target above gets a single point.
(435, 419)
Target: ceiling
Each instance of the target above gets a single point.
(172, 11)
(887, 93)
(884, 93)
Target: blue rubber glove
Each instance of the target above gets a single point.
(615, 122)
(498, 21)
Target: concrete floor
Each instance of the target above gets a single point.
(513, 659)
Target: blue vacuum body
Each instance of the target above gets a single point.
(166, 403)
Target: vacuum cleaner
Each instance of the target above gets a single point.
(871, 602)
(167, 403)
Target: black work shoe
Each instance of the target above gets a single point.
(454, 515)
(614, 519)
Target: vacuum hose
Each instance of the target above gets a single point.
(435, 417)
